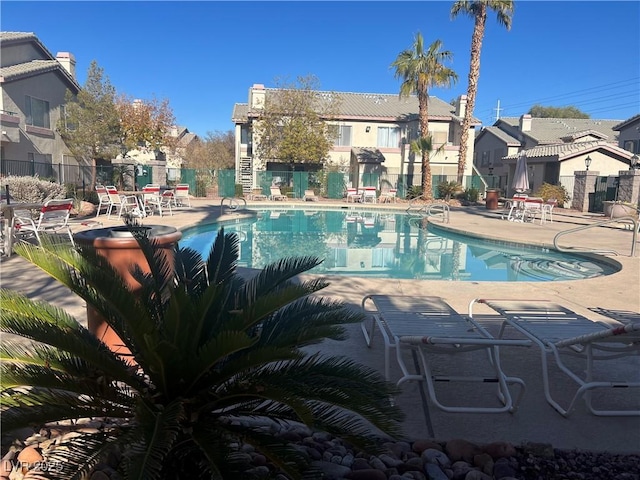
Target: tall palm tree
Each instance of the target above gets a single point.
(477, 9)
(421, 69)
(216, 357)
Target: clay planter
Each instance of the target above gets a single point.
(618, 210)
(122, 250)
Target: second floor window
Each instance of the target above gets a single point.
(37, 112)
(388, 137)
(344, 136)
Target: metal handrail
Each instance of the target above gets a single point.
(233, 202)
(634, 240)
(439, 209)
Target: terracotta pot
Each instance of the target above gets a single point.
(122, 250)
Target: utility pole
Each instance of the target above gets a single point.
(497, 109)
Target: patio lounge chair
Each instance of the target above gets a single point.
(310, 195)
(559, 332)
(276, 194)
(428, 325)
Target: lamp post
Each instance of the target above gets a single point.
(634, 162)
(587, 162)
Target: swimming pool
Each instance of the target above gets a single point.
(390, 245)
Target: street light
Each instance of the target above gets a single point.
(634, 162)
(587, 162)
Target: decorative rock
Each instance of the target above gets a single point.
(477, 475)
(30, 454)
(436, 457)
(332, 471)
(416, 462)
(258, 459)
(500, 450)
(415, 475)
(434, 472)
(259, 472)
(503, 468)
(459, 449)
(347, 460)
(420, 446)
(460, 470)
(360, 464)
(378, 464)
(484, 462)
(544, 450)
(389, 461)
(370, 474)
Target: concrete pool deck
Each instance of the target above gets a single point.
(535, 421)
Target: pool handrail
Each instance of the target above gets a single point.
(634, 239)
(233, 203)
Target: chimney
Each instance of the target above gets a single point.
(68, 62)
(256, 96)
(461, 106)
(525, 123)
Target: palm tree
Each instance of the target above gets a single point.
(478, 10)
(215, 356)
(421, 69)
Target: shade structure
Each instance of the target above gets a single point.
(521, 177)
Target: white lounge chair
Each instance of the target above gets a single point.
(428, 325)
(276, 194)
(310, 195)
(181, 195)
(558, 331)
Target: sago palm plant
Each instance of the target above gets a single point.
(213, 354)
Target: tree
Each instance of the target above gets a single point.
(145, 123)
(539, 111)
(292, 126)
(90, 126)
(217, 357)
(421, 69)
(216, 151)
(477, 9)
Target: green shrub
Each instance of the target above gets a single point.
(447, 190)
(414, 191)
(547, 191)
(471, 194)
(33, 189)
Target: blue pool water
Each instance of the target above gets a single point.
(390, 245)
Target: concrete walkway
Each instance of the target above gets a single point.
(535, 421)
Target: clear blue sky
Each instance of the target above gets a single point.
(204, 56)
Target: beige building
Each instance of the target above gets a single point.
(374, 131)
(555, 148)
(629, 134)
(34, 83)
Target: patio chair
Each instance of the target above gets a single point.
(154, 201)
(310, 195)
(103, 198)
(388, 196)
(560, 332)
(53, 218)
(547, 209)
(276, 194)
(429, 326)
(353, 195)
(181, 195)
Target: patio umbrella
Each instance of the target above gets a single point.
(521, 177)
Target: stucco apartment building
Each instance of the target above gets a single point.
(34, 83)
(555, 148)
(374, 132)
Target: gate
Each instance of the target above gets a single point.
(144, 174)
(300, 183)
(335, 185)
(606, 188)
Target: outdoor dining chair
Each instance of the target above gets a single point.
(53, 218)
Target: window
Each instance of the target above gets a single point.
(485, 159)
(389, 137)
(37, 112)
(245, 136)
(343, 138)
(632, 146)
